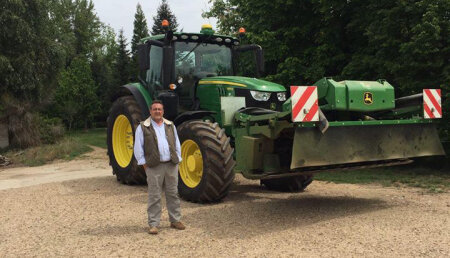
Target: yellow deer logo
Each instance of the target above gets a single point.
(368, 98)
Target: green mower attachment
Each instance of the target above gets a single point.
(363, 143)
(334, 126)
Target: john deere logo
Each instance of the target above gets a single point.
(368, 98)
(273, 106)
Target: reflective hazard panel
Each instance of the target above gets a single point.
(305, 107)
(432, 107)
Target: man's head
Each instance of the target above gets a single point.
(157, 111)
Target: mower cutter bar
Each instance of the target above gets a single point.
(339, 168)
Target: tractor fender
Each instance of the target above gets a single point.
(191, 115)
(136, 92)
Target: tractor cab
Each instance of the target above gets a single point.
(195, 61)
(171, 65)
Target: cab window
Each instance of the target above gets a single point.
(155, 71)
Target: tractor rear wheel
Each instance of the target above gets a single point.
(123, 120)
(206, 171)
(288, 184)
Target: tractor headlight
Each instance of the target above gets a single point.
(260, 96)
(281, 96)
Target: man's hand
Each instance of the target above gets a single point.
(145, 166)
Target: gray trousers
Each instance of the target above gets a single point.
(165, 175)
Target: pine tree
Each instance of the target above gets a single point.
(86, 27)
(123, 60)
(140, 29)
(164, 13)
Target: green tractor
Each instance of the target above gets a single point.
(231, 124)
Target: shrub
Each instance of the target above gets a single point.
(50, 129)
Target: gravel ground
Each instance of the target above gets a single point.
(100, 217)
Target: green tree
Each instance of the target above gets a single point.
(86, 26)
(75, 98)
(407, 44)
(229, 19)
(29, 55)
(78, 27)
(164, 13)
(140, 31)
(103, 67)
(122, 61)
(30, 59)
(82, 34)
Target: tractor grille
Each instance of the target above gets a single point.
(273, 103)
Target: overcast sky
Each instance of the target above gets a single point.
(120, 13)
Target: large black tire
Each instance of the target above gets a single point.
(131, 173)
(217, 158)
(288, 184)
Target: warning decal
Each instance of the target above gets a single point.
(432, 103)
(305, 105)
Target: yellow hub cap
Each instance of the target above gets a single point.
(191, 168)
(122, 141)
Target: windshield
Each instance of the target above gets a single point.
(196, 59)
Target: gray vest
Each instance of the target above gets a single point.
(151, 151)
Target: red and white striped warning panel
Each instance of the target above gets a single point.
(432, 103)
(305, 107)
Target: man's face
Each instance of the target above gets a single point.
(157, 112)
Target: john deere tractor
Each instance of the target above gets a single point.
(274, 133)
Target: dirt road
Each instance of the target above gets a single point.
(91, 165)
(97, 216)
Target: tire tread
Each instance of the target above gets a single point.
(217, 162)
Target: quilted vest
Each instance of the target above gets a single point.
(151, 151)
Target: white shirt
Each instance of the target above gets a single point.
(163, 145)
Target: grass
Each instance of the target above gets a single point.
(71, 146)
(95, 137)
(432, 179)
(66, 149)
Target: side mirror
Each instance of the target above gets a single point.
(168, 37)
(258, 53)
(259, 61)
(144, 56)
(168, 66)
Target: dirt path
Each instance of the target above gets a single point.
(90, 165)
(99, 217)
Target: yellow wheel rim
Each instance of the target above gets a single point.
(122, 141)
(191, 168)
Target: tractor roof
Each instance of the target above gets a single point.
(194, 37)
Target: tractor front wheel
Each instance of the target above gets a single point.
(123, 120)
(288, 184)
(206, 170)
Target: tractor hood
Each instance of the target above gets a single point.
(244, 83)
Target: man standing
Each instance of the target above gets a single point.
(157, 149)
